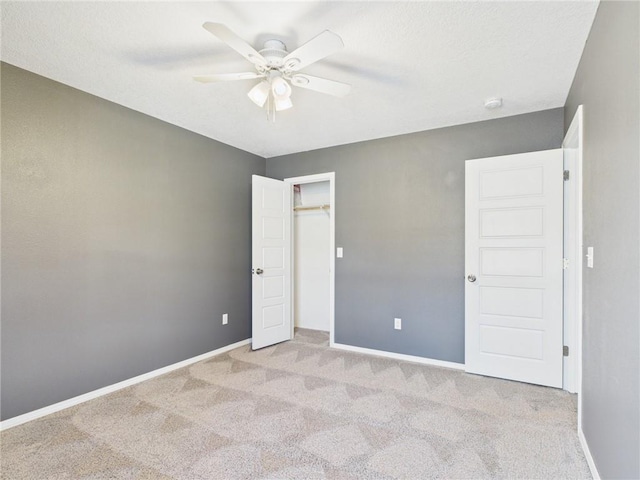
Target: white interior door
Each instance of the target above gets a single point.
(513, 262)
(271, 262)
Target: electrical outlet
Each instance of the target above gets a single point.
(397, 323)
(225, 318)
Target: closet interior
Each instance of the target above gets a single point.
(311, 248)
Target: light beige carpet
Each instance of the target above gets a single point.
(301, 410)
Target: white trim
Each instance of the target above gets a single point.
(400, 356)
(576, 132)
(56, 407)
(587, 454)
(331, 178)
(572, 367)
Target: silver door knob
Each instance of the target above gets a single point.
(471, 278)
(259, 271)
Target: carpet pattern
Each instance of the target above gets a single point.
(299, 410)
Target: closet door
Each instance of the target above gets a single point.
(271, 262)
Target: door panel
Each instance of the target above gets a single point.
(517, 182)
(512, 342)
(271, 262)
(511, 222)
(514, 262)
(513, 254)
(512, 302)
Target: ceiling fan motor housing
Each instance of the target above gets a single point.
(274, 52)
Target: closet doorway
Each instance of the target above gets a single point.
(312, 253)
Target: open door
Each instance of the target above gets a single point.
(514, 267)
(271, 262)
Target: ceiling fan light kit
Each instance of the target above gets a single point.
(282, 104)
(279, 86)
(260, 93)
(277, 69)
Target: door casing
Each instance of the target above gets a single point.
(573, 249)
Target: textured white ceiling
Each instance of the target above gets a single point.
(413, 65)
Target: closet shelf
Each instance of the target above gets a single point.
(311, 207)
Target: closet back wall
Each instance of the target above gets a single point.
(124, 240)
(400, 218)
(311, 258)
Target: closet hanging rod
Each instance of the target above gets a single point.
(311, 207)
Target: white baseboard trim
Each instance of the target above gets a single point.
(399, 356)
(56, 407)
(587, 454)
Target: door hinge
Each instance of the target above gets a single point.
(565, 351)
(565, 175)
(565, 263)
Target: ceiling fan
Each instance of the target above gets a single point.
(278, 69)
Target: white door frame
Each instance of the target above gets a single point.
(573, 245)
(331, 178)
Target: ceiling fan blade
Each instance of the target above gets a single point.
(321, 85)
(315, 49)
(226, 77)
(234, 41)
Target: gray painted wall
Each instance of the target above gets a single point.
(607, 84)
(124, 240)
(400, 219)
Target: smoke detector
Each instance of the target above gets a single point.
(493, 103)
